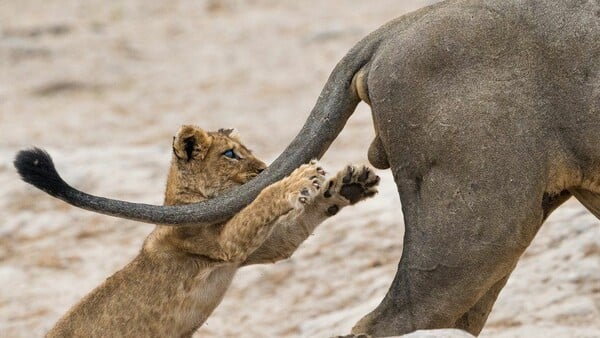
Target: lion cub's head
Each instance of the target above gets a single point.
(205, 164)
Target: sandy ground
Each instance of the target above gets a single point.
(104, 85)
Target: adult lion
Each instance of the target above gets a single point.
(487, 112)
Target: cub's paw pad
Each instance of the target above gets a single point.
(332, 210)
(358, 182)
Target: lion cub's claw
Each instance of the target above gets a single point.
(355, 183)
(303, 185)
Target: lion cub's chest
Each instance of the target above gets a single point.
(200, 294)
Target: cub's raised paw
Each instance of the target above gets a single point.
(355, 183)
(304, 184)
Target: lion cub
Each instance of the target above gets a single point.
(182, 273)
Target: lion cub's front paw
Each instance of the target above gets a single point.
(354, 183)
(304, 184)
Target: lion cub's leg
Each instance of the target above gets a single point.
(349, 186)
(247, 230)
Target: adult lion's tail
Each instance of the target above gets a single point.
(336, 103)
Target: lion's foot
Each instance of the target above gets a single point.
(304, 184)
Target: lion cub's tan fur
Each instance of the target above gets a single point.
(182, 273)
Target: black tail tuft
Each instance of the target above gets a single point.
(36, 168)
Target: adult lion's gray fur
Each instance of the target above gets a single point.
(487, 112)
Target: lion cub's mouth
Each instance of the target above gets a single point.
(244, 178)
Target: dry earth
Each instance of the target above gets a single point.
(104, 85)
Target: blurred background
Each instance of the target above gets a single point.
(103, 86)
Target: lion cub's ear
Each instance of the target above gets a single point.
(231, 133)
(191, 143)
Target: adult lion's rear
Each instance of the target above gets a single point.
(487, 112)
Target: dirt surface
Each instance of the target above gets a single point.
(104, 86)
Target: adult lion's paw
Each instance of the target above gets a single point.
(354, 183)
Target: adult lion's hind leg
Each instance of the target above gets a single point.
(462, 240)
(589, 199)
(474, 319)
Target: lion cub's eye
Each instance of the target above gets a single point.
(231, 154)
